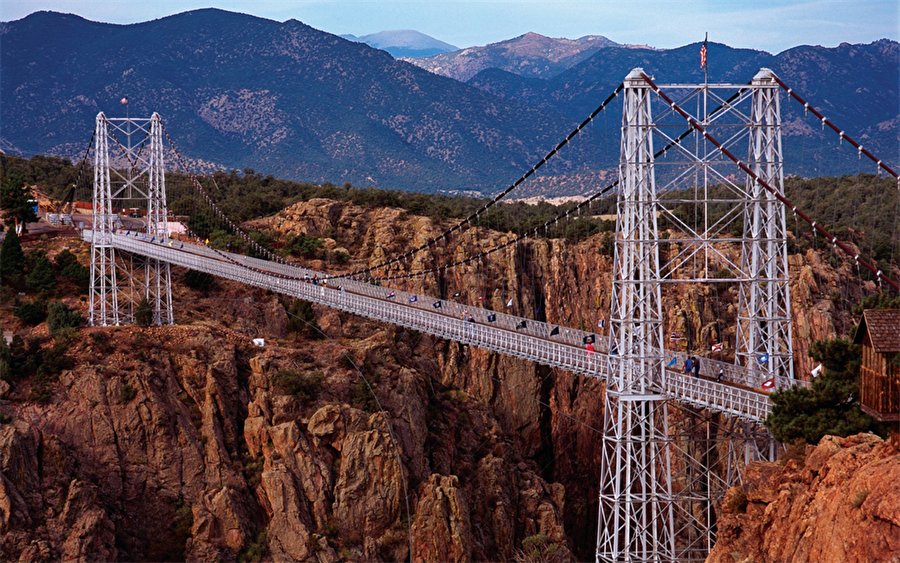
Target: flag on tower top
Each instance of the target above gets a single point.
(703, 54)
(124, 100)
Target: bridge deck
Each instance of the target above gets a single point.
(533, 342)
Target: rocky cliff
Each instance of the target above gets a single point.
(838, 502)
(369, 443)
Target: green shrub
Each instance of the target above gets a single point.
(256, 551)
(41, 277)
(538, 549)
(143, 313)
(128, 393)
(302, 318)
(362, 398)
(59, 316)
(199, 280)
(859, 497)
(304, 386)
(33, 313)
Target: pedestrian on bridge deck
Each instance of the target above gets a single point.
(696, 366)
(688, 366)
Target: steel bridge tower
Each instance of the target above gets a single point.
(636, 517)
(130, 176)
(764, 310)
(665, 467)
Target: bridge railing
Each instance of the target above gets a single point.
(703, 393)
(570, 336)
(530, 343)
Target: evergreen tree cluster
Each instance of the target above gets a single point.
(830, 406)
(36, 272)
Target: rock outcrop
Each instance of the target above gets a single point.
(840, 503)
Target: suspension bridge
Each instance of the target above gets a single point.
(646, 514)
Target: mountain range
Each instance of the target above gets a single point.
(241, 92)
(529, 56)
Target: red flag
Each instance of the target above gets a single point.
(703, 55)
(769, 383)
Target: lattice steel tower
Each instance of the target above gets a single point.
(687, 219)
(131, 176)
(636, 518)
(764, 311)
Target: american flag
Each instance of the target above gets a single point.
(703, 55)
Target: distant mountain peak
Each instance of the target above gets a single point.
(404, 43)
(530, 55)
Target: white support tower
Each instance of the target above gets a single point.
(636, 513)
(688, 218)
(764, 312)
(131, 175)
(104, 295)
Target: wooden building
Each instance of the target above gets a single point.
(879, 374)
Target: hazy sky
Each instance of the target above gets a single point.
(769, 25)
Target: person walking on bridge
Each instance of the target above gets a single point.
(695, 366)
(688, 366)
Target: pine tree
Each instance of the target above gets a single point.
(41, 277)
(14, 202)
(143, 313)
(830, 406)
(12, 259)
(59, 316)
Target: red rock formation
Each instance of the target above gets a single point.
(841, 503)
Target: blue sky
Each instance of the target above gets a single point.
(769, 25)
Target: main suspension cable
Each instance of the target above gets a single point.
(459, 226)
(878, 163)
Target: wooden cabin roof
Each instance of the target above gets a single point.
(883, 327)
